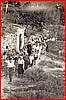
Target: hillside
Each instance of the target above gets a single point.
(44, 79)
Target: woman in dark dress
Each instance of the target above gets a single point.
(20, 66)
(26, 61)
(29, 49)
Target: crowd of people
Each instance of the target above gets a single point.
(17, 62)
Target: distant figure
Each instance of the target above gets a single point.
(6, 7)
(34, 48)
(4, 55)
(16, 64)
(39, 52)
(26, 61)
(37, 48)
(31, 58)
(60, 53)
(35, 58)
(5, 64)
(47, 50)
(29, 49)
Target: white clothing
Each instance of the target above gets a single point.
(21, 61)
(39, 51)
(31, 58)
(10, 64)
(53, 39)
(6, 7)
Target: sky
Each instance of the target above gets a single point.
(41, 6)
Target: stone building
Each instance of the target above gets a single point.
(13, 37)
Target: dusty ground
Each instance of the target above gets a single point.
(43, 80)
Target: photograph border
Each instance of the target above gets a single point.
(64, 50)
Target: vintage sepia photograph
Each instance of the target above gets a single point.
(32, 48)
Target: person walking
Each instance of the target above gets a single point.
(10, 66)
(39, 53)
(20, 66)
(29, 49)
(31, 59)
(26, 61)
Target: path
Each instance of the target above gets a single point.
(44, 58)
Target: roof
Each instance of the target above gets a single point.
(10, 28)
(17, 25)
